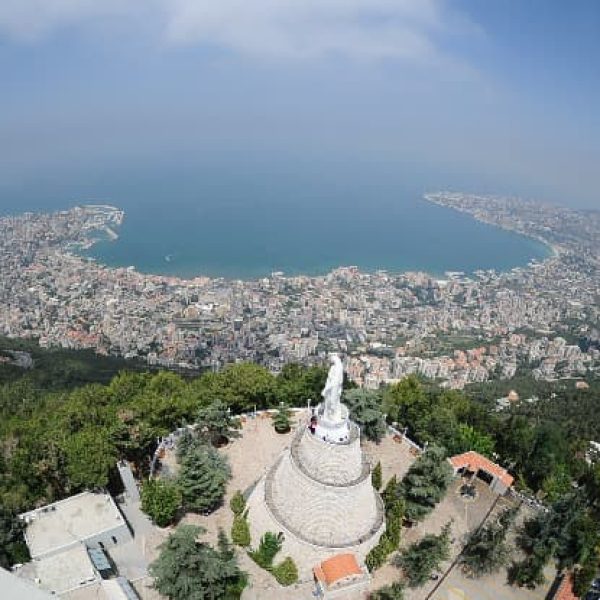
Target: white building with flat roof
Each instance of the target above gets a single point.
(15, 588)
(92, 519)
(62, 572)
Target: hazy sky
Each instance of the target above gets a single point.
(488, 95)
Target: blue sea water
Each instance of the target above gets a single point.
(247, 222)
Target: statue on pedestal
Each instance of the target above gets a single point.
(332, 391)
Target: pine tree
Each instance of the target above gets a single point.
(426, 483)
(187, 569)
(486, 550)
(215, 425)
(203, 477)
(421, 559)
(365, 410)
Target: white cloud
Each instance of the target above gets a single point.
(32, 20)
(273, 29)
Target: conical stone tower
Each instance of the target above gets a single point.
(319, 491)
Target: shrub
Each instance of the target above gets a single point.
(286, 572)
(240, 531)
(270, 545)
(389, 540)
(376, 477)
(161, 499)
(237, 503)
(281, 419)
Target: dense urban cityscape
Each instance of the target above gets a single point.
(459, 329)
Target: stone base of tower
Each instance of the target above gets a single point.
(320, 496)
(305, 555)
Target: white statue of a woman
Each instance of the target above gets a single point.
(332, 391)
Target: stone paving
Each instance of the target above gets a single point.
(258, 448)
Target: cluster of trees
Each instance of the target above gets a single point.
(61, 368)
(567, 534)
(65, 423)
(56, 443)
(487, 550)
(421, 559)
(411, 499)
(189, 568)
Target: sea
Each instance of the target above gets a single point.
(246, 223)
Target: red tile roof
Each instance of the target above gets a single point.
(565, 589)
(337, 567)
(474, 461)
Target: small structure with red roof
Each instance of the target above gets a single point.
(564, 588)
(498, 478)
(341, 577)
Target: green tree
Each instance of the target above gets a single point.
(394, 591)
(421, 559)
(376, 476)
(470, 438)
(281, 419)
(514, 441)
(405, 401)
(425, 483)
(296, 384)
(557, 484)
(187, 569)
(203, 476)
(215, 425)
(566, 533)
(240, 386)
(161, 499)
(286, 572)
(365, 410)
(89, 456)
(12, 544)
(486, 550)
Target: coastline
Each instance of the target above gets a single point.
(554, 250)
(175, 271)
(55, 294)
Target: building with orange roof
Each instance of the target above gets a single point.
(564, 591)
(472, 462)
(341, 577)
